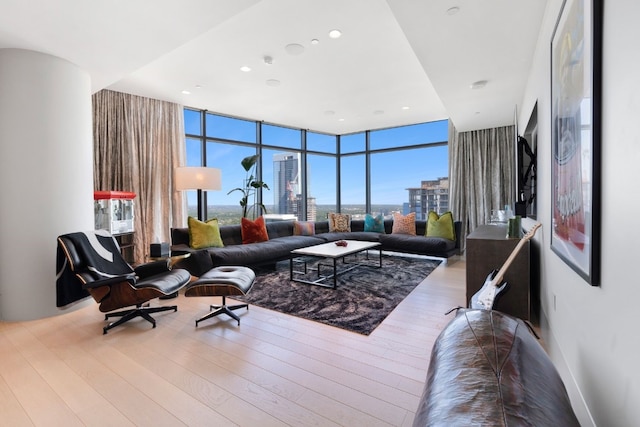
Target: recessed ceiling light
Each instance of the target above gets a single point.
(198, 86)
(294, 49)
(335, 34)
(453, 10)
(315, 41)
(341, 120)
(186, 92)
(245, 68)
(273, 82)
(479, 84)
(268, 60)
(406, 108)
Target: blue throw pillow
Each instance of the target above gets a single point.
(374, 224)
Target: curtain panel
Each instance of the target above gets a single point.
(482, 173)
(138, 142)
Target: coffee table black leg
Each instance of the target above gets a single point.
(335, 273)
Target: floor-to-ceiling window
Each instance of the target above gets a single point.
(282, 171)
(321, 175)
(220, 142)
(353, 174)
(409, 169)
(310, 174)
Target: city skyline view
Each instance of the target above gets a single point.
(393, 172)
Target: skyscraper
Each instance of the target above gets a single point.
(432, 195)
(286, 182)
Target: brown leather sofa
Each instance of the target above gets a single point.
(487, 369)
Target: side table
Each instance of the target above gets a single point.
(172, 259)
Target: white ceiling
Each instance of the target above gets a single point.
(392, 54)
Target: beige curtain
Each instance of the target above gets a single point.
(138, 142)
(482, 173)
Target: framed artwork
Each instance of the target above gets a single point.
(576, 53)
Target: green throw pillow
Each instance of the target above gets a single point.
(440, 226)
(374, 224)
(204, 234)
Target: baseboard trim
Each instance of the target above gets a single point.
(557, 357)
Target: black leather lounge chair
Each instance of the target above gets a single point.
(90, 263)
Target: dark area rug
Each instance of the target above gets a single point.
(363, 299)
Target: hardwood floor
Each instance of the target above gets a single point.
(273, 370)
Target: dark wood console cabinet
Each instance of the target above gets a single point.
(487, 249)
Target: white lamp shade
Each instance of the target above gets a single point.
(198, 178)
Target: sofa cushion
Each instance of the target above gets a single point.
(261, 253)
(434, 246)
(404, 224)
(321, 227)
(367, 236)
(277, 229)
(440, 225)
(198, 263)
(253, 231)
(204, 234)
(339, 222)
(374, 224)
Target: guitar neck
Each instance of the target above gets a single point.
(500, 274)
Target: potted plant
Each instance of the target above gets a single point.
(251, 186)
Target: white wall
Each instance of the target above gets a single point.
(593, 333)
(46, 147)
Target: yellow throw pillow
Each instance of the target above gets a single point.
(404, 224)
(204, 234)
(440, 226)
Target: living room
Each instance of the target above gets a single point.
(588, 330)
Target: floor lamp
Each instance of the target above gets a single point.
(200, 179)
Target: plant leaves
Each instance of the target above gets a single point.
(249, 161)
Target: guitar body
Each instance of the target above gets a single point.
(487, 296)
(494, 286)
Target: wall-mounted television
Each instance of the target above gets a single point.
(526, 167)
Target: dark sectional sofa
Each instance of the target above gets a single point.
(282, 241)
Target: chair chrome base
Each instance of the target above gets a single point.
(223, 309)
(139, 311)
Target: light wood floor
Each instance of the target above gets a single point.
(273, 370)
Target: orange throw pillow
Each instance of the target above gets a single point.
(404, 224)
(254, 231)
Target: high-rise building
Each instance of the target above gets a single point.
(312, 209)
(286, 182)
(432, 195)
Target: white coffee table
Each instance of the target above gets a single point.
(334, 252)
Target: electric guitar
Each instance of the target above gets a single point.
(493, 285)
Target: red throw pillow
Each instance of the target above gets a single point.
(254, 231)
